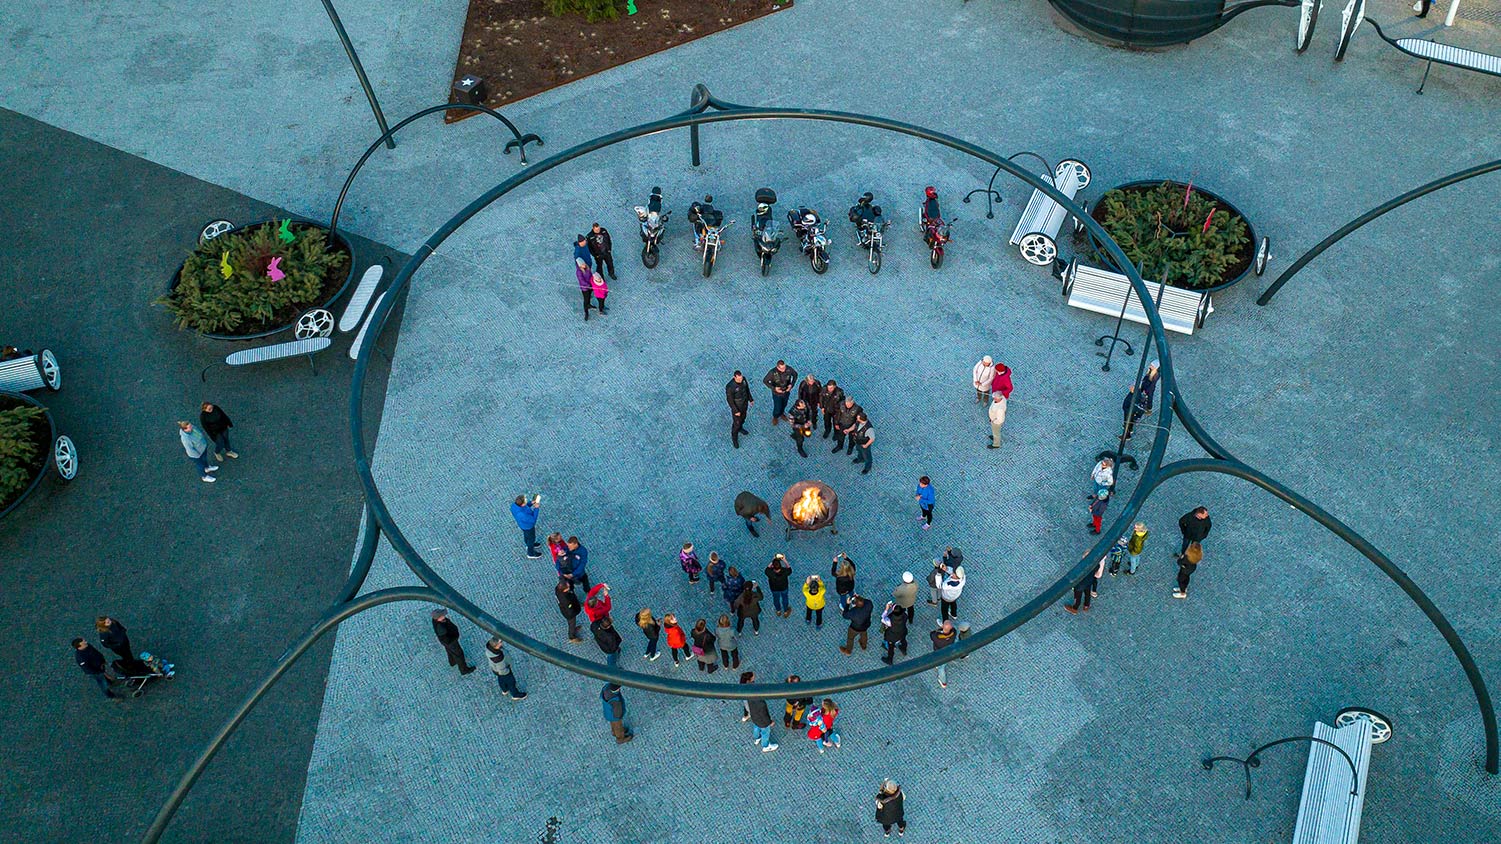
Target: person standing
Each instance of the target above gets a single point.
(501, 665)
(890, 810)
(894, 631)
(689, 561)
(569, 606)
(759, 715)
(777, 575)
(858, 615)
(997, 414)
(830, 400)
(802, 425)
(714, 571)
(1117, 553)
(608, 639)
(704, 647)
(677, 638)
(781, 379)
(613, 704)
(949, 592)
(864, 438)
(600, 288)
(752, 508)
(1103, 475)
(585, 277)
(525, 513)
(738, 395)
(984, 376)
(796, 710)
(944, 636)
(821, 725)
(1194, 526)
(581, 254)
(575, 563)
(598, 242)
(1087, 588)
(652, 631)
(814, 598)
(1188, 563)
(748, 607)
(843, 572)
(196, 446)
(448, 636)
(727, 643)
(597, 602)
(810, 391)
(905, 596)
(91, 661)
(1136, 542)
(216, 424)
(925, 497)
(1098, 502)
(846, 418)
(1132, 411)
(1147, 392)
(734, 584)
(556, 546)
(112, 635)
(1001, 382)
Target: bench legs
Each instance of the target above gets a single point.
(1425, 77)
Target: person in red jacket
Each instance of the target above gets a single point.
(597, 604)
(1001, 383)
(677, 638)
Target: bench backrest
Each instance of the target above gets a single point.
(21, 374)
(1328, 812)
(1104, 292)
(277, 351)
(1450, 55)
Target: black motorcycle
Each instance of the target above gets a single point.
(809, 228)
(765, 235)
(870, 229)
(653, 224)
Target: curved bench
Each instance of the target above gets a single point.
(1432, 51)
(31, 372)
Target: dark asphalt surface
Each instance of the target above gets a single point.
(218, 578)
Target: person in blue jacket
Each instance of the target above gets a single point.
(581, 252)
(525, 514)
(573, 566)
(733, 585)
(925, 498)
(612, 703)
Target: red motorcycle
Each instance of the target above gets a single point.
(935, 232)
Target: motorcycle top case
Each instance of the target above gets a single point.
(766, 195)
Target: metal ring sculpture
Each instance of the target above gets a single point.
(707, 110)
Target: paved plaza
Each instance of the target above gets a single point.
(1369, 385)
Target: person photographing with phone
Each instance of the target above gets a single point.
(525, 513)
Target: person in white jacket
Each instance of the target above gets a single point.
(196, 445)
(948, 593)
(1103, 475)
(984, 374)
(997, 414)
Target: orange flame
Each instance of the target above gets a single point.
(809, 508)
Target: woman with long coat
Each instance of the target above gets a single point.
(890, 811)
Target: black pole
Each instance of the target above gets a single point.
(1390, 204)
(359, 71)
(992, 196)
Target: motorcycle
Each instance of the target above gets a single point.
(870, 230)
(765, 235)
(936, 233)
(653, 225)
(708, 225)
(809, 229)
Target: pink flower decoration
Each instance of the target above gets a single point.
(273, 271)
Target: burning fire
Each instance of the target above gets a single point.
(809, 508)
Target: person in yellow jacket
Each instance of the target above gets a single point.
(815, 594)
(1136, 542)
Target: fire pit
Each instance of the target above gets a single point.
(810, 506)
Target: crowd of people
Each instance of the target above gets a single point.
(844, 420)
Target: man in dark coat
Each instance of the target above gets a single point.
(612, 702)
(895, 634)
(844, 425)
(802, 424)
(737, 393)
(92, 662)
(810, 391)
(751, 508)
(581, 254)
(448, 636)
(1194, 525)
(858, 615)
(608, 639)
(759, 715)
(599, 247)
(829, 401)
(864, 438)
(781, 379)
(569, 606)
(215, 423)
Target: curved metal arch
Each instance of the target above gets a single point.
(1389, 205)
(519, 142)
(700, 113)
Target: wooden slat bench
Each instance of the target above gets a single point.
(1447, 54)
(1105, 292)
(1329, 811)
(1036, 233)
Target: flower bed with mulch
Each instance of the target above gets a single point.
(521, 50)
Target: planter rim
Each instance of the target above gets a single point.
(1250, 229)
(338, 294)
(47, 461)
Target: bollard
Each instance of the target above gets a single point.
(963, 628)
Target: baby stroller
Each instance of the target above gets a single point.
(132, 676)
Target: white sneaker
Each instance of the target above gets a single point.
(232, 454)
(769, 748)
(654, 657)
(213, 468)
(208, 479)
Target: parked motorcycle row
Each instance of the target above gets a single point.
(808, 228)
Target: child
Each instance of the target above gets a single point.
(728, 642)
(797, 707)
(1135, 544)
(601, 290)
(688, 560)
(715, 571)
(1118, 553)
(925, 498)
(821, 725)
(677, 639)
(652, 630)
(557, 546)
(1097, 504)
(814, 597)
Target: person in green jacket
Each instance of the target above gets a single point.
(1136, 542)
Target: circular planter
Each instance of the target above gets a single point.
(329, 285)
(50, 454)
(1257, 250)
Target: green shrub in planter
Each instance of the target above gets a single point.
(19, 449)
(592, 10)
(249, 300)
(1143, 221)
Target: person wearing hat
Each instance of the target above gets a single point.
(997, 414)
(905, 595)
(598, 241)
(448, 636)
(984, 374)
(581, 253)
(889, 808)
(949, 592)
(1001, 383)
